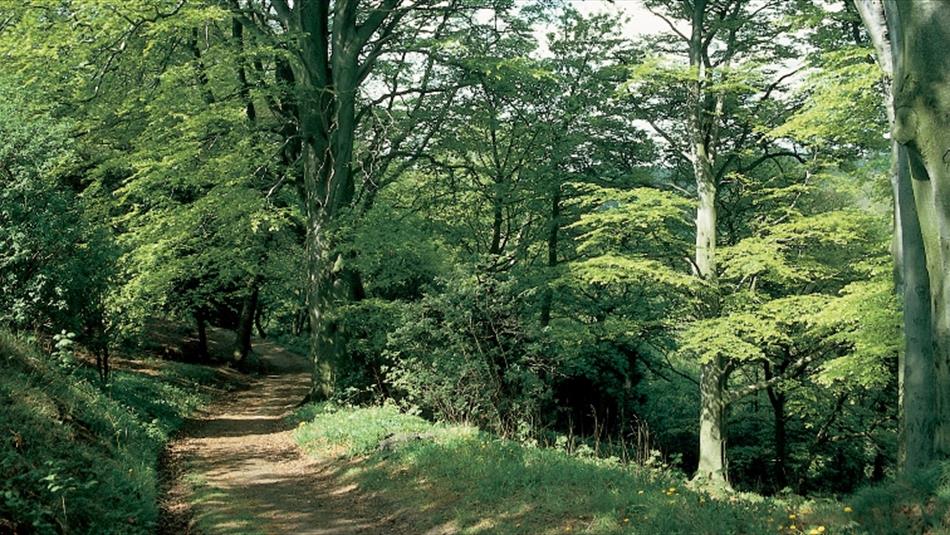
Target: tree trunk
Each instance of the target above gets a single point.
(916, 372)
(705, 221)
(323, 350)
(712, 441)
(200, 71)
(333, 52)
(242, 346)
(259, 322)
(325, 275)
(712, 391)
(548, 296)
(920, 33)
(244, 87)
(102, 362)
(712, 465)
(301, 319)
(494, 247)
(780, 436)
(202, 326)
(331, 42)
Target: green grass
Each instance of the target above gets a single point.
(477, 483)
(353, 432)
(918, 505)
(81, 458)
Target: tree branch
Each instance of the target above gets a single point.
(669, 139)
(794, 369)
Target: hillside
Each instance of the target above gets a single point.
(79, 457)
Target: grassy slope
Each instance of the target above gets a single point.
(77, 458)
(465, 480)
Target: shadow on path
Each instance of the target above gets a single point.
(237, 469)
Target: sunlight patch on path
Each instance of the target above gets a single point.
(239, 470)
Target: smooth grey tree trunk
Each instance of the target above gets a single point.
(712, 441)
(920, 35)
(916, 370)
(711, 470)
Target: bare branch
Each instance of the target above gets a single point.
(668, 23)
(669, 139)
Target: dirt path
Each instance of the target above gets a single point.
(237, 469)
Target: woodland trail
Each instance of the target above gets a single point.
(237, 470)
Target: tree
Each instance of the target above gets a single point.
(335, 48)
(918, 394)
(724, 93)
(917, 32)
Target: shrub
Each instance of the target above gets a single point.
(56, 255)
(464, 355)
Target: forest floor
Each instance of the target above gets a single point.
(235, 468)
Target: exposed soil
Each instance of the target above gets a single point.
(236, 469)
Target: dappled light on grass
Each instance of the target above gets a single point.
(82, 454)
(481, 484)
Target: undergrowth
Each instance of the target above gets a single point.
(80, 457)
(920, 504)
(467, 481)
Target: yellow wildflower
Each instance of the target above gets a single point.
(848, 509)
